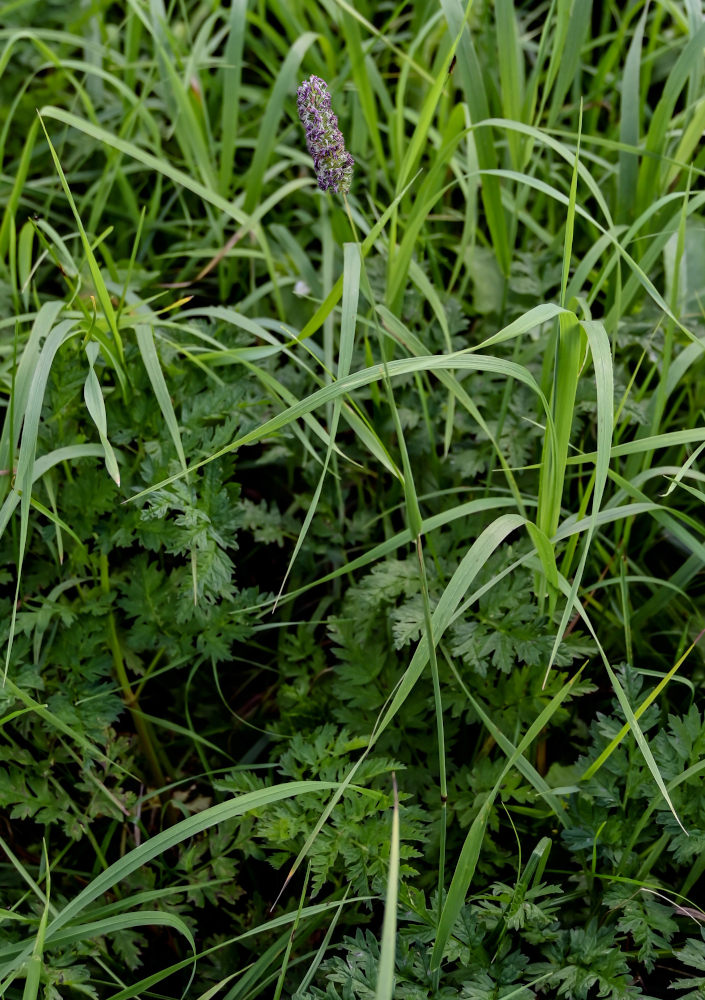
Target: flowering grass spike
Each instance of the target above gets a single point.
(333, 164)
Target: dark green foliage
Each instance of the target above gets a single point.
(155, 671)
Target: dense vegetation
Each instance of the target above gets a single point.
(352, 545)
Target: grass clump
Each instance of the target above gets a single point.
(352, 533)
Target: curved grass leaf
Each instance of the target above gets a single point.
(162, 842)
(367, 376)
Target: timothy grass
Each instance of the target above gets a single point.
(351, 606)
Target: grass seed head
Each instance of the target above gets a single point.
(325, 142)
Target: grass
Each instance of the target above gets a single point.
(351, 606)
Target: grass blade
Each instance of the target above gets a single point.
(467, 863)
(385, 971)
(95, 404)
(150, 359)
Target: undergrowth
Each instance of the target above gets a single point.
(351, 597)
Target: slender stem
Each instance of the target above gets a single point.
(148, 672)
(131, 700)
(414, 522)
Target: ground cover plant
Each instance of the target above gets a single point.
(350, 499)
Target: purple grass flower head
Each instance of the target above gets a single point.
(326, 145)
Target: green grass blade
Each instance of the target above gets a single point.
(385, 970)
(470, 853)
(95, 404)
(264, 929)
(565, 385)
(522, 764)
(476, 557)
(159, 165)
(150, 359)
(232, 82)
(117, 359)
(601, 352)
(648, 700)
(292, 935)
(25, 462)
(419, 138)
(575, 24)
(470, 73)
(510, 60)
(629, 124)
(41, 466)
(164, 841)
(323, 947)
(657, 136)
(360, 68)
(283, 85)
(17, 188)
(368, 376)
(36, 964)
(632, 721)
(45, 319)
(333, 297)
